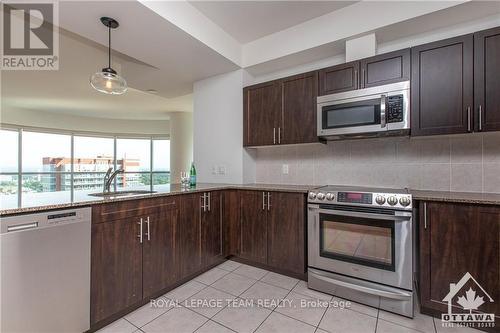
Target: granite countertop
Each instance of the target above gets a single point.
(461, 197)
(84, 199)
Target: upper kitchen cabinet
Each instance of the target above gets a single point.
(261, 114)
(385, 68)
(442, 87)
(299, 115)
(339, 78)
(487, 80)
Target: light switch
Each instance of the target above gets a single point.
(222, 169)
(214, 170)
(285, 169)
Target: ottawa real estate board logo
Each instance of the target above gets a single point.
(464, 301)
(30, 35)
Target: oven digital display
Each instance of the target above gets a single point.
(353, 197)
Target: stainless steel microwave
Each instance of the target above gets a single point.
(369, 112)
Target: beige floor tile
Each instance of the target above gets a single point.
(119, 326)
(148, 312)
(213, 327)
(441, 329)
(338, 320)
(229, 265)
(419, 322)
(277, 323)
(279, 280)
(177, 320)
(188, 289)
(234, 284)
(387, 327)
(208, 302)
(301, 288)
(303, 308)
(251, 272)
(242, 319)
(265, 295)
(358, 307)
(211, 276)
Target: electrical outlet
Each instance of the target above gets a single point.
(222, 169)
(214, 170)
(284, 169)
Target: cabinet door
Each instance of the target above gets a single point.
(211, 230)
(487, 80)
(231, 222)
(456, 239)
(385, 68)
(159, 252)
(286, 229)
(299, 109)
(261, 111)
(339, 78)
(116, 268)
(190, 234)
(253, 226)
(442, 87)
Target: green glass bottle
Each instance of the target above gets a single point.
(192, 175)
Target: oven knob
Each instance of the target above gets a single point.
(330, 196)
(404, 201)
(321, 196)
(392, 200)
(380, 200)
(312, 195)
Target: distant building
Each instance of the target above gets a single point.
(88, 173)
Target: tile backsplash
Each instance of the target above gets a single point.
(460, 163)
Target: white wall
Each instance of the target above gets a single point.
(181, 144)
(218, 128)
(58, 121)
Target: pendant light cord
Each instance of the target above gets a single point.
(109, 46)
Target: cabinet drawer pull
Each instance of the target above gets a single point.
(147, 226)
(268, 201)
(263, 200)
(279, 135)
(425, 215)
(469, 120)
(274, 135)
(209, 199)
(140, 231)
(480, 118)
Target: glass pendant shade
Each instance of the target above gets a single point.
(108, 82)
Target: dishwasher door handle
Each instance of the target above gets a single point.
(24, 226)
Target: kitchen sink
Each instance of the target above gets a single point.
(121, 193)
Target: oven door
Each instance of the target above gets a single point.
(352, 116)
(367, 243)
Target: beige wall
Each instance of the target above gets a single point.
(181, 144)
(458, 163)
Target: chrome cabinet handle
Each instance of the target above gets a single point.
(425, 215)
(263, 200)
(140, 231)
(203, 204)
(268, 201)
(209, 200)
(382, 111)
(363, 74)
(147, 225)
(355, 79)
(279, 135)
(468, 119)
(274, 135)
(480, 118)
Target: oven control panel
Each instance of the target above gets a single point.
(366, 199)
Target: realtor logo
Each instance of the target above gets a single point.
(30, 38)
(469, 300)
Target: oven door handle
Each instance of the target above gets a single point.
(401, 217)
(397, 295)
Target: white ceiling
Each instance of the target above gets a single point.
(249, 20)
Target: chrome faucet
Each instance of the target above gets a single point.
(108, 179)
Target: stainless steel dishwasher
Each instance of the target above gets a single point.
(45, 272)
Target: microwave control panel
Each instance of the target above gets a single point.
(395, 109)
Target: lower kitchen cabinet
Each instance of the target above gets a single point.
(273, 230)
(190, 234)
(212, 229)
(456, 239)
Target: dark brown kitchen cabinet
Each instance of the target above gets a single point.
(212, 229)
(261, 114)
(273, 229)
(116, 269)
(339, 78)
(253, 215)
(159, 267)
(285, 232)
(442, 87)
(385, 68)
(189, 238)
(456, 239)
(231, 222)
(298, 118)
(487, 80)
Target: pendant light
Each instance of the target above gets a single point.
(108, 81)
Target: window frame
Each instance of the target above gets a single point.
(115, 136)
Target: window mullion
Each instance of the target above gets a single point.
(19, 167)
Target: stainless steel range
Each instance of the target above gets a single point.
(360, 245)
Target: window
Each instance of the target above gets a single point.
(63, 167)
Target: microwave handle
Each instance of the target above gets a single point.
(383, 122)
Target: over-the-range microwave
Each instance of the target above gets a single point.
(369, 112)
